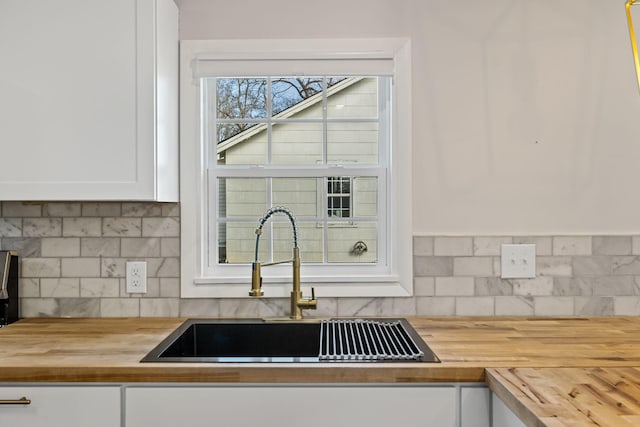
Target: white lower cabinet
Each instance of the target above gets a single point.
(475, 406)
(60, 406)
(503, 416)
(420, 405)
(292, 406)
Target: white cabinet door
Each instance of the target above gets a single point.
(61, 406)
(475, 406)
(89, 100)
(503, 416)
(291, 406)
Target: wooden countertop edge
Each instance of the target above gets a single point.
(237, 374)
(567, 396)
(496, 383)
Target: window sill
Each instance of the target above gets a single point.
(280, 287)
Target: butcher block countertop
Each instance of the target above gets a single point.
(570, 396)
(544, 369)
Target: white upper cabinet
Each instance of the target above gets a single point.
(89, 100)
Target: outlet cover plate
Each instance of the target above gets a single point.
(136, 277)
(518, 261)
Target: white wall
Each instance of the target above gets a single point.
(524, 111)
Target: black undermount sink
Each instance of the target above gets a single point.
(258, 340)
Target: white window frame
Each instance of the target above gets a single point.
(393, 279)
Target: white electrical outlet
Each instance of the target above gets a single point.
(136, 277)
(518, 261)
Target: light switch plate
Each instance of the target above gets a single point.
(518, 261)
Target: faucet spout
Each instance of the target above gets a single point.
(298, 303)
(266, 216)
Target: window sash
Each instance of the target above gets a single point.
(210, 120)
(214, 268)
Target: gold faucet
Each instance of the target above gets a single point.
(298, 303)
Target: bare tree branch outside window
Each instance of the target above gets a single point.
(242, 99)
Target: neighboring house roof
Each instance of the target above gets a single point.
(291, 111)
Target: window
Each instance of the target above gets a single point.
(339, 197)
(272, 129)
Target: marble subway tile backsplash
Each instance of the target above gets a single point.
(73, 257)
(575, 275)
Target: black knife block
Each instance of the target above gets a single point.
(9, 307)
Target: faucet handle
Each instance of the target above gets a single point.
(312, 300)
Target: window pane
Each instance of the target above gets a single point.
(239, 243)
(352, 242)
(310, 241)
(358, 100)
(352, 142)
(296, 143)
(288, 94)
(365, 196)
(249, 147)
(241, 98)
(300, 195)
(242, 197)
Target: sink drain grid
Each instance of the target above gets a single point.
(366, 340)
